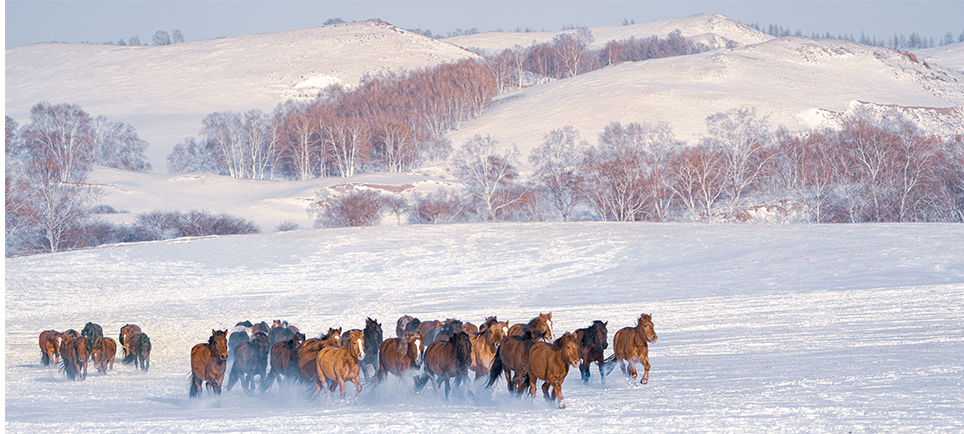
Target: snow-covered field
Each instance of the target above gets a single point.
(799, 328)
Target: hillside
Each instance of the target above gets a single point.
(785, 79)
(713, 31)
(165, 91)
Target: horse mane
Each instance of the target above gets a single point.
(373, 331)
(558, 343)
(489, 322)
(412, 325)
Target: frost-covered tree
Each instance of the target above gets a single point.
(558, 162)
(161, 38)
(488, 171)
(177, 37)
(135, 41)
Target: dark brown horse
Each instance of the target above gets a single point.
(630, 345)
(125, 335)
(406, 324)
(485, 342)
(208, 362)
(139, 351)
(103, 353)
(550, 363)
(541, 323)
(50, 347)
(373, 341)
(449, 328)
(284, 361)
(429, 329)
(74, 352)
(308, 353)
(448, 359)
(512, 357)
(341, 364)
(592, 342)
(92, 331)
(399, 355)
(250, 360)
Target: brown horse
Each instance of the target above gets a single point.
(341, 364)
(103, 353)
(208, 363)
(542, 323)
(448, 359)
(125, 335)
(308, 353)
(550, 363)
(429, 329)
(512, 357)
(485, 342)
(399, 355)
(284, 361)
(630, 345)
(50, 346)
(139, 351)
(250, 360)
(74, 352)
(592, 342)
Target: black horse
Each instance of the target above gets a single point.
(592, 342)
(250, 360)
(92, 331)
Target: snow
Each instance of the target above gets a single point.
(788, 80)
(165, 91)
(788, 328)
(714, 31)
(951, 56)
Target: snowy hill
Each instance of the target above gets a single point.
(713, 31)
(787, 79)
(165, 91)
(951, 56)
(800, 328)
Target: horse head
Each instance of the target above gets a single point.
(356, 344)
(545, 325)
(569, 347)
(645, 326)
(219, 344)
(414, 346)
(373, 332)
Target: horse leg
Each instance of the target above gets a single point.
(446, 387)
(602, 374)
(557, 394)
(584, 371)
(646, 372)
(545, 391)
(195, 386)
(341, 386)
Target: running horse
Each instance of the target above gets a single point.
(125, 335)
(399, 355)
(542, 323)
(485, 342)
(308, 353)
(73, 351)
(139, 351)
(284, 361)
(373, 341)
(341, 364)
(103, 353)
(550, 363)
(512, 358)
(208, 363)
(630, 346)
(448, 359)
(250, 360)
(592, 342)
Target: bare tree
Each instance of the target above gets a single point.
(357, 208)
(177, 37)
(741, 138)
(488, 172)
(558, 162)
(161, 38)
(62, 136)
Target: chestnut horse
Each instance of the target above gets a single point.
(103, 353)
(399, 355)
(448, 359)
(592, 342)
(208, 363)
(250, 360)
(125, 334)
(308, 353)
(485, 342)
(284, 361)
(542, 323)
(630, 345)
(50, 346)
(74, 352)
(373, 341)
(550, 363)
(139, 351)
(341, 364)
(512, 357)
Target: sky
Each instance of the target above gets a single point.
(35, 21)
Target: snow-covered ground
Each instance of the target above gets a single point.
(794, 328)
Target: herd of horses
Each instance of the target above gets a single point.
(90, 345)
(440, 352)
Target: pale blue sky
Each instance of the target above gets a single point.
(32, 21)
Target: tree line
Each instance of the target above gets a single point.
(913, 41)
(873, 169)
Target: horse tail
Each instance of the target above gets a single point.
(234, 375)
(496, 370)
(609, 363)
(128, 358)
(195, 391)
